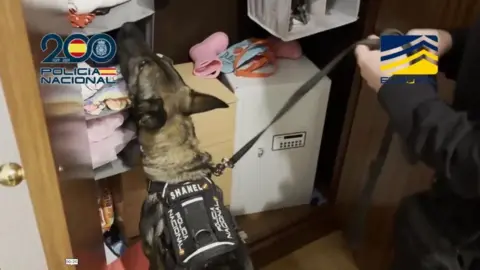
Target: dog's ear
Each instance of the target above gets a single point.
(151, 114)
(199, 102)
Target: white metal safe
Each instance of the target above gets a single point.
(279, 171)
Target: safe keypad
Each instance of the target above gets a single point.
(291, 144)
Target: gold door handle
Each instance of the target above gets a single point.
(11, 174)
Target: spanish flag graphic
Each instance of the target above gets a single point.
(77, 48)
(110, 71)
(419, 58)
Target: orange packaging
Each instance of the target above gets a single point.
(106, 209)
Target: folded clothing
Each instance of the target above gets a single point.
(228, 56)
(90, 89)
(112, 96)
(248, 57)
(94, 109)
(101, 128)
(110, 91)
(106, 150)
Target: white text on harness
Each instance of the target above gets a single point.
(219, 220)
(181, 233)
(185, 189)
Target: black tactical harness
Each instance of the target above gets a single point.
(198, 226)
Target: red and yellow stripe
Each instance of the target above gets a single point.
(77, 48)
(108, 71)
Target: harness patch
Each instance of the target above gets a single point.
(197, 222)
(219, 220)
(179, 230)
(186, 190)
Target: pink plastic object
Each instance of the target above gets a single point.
(285, 49)
(205, 55)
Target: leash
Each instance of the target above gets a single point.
(356, 226)
(299, 93)
(356, 229)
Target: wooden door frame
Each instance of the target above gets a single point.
(363, 135)
(369, 28)
(24, 102)
(26, 111)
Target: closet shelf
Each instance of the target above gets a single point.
(102, 114)
(274, 16)
(115, 167)
(131, 11)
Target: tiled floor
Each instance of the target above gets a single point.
(327, 253)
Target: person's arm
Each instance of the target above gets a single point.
(449, 63)
(441, 137)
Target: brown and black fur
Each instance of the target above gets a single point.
(162, 106)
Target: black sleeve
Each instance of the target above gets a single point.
(450, 62)
(444, 139)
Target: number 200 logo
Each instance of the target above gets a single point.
(77, 48)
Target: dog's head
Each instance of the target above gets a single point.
(157, 91)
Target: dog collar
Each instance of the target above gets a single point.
(156, 187)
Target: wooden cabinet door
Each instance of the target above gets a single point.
(53, 214)
(18, 226)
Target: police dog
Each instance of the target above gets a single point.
(162, 105)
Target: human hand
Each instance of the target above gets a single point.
(369, 63)
(444, 38)
(369, 60)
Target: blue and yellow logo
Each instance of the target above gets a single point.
(78, 48)
(420, 58)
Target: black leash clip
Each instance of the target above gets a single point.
(220, 167)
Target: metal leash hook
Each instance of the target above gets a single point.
(220, 167)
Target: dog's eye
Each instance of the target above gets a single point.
(142, 64)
